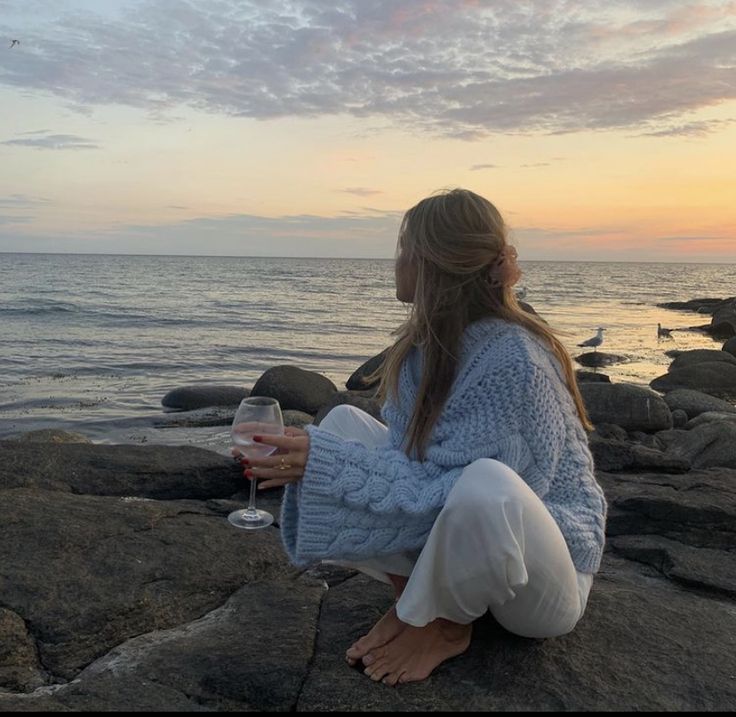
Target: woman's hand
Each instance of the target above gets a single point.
(293, 447)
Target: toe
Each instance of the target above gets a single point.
(378, 671)
(392, 678)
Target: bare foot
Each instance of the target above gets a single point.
(416, 651)
(386, 629)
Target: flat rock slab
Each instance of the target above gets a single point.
(615, 658)
(123, 587)
(251, 654)
(160, 472)
(89, 572)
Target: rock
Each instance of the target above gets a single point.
(610, 430)
(357, 381)
(582, 671)
(599, 358)
(717, 378)
(723, 323)
(706, 445)
(615, 455)
(691, 566)
(353, 398)
(710, 417)
(591, 376)
(673, 353)
(51, 435)
(693, 403)
(20, 670)
(730, 346)
(632, 407)
(690, 358)
(646, 439)
(142, 605)
(199, 417)
(156, 472)
(679, 417)
(295, 388)
(298, 419)
(187, 398)
(701, 306)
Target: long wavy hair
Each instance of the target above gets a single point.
(450, 239)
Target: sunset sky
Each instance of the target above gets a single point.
(602, 130)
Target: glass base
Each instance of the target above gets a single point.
(250, 519)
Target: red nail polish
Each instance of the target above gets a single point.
(244, 462)
(249, 473)
(257, 439)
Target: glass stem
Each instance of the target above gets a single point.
(252, 502)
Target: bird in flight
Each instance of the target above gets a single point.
(13, 43)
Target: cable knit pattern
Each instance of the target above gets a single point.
(508, 401)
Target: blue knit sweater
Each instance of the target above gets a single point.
(508, 401)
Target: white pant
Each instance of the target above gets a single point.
(494, 546)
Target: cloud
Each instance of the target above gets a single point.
(370, 234)
(691, 129)
(477, 167)
(459, 68)
(5, 220)
(16, 201)
(536, 164)
(53, 141)
(361, 191)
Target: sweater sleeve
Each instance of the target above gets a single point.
(354, 501)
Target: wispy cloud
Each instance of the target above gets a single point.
(19, 201)
(477, 167)
(361, 191)
(690, 129)
(53, 141)
(461, 68)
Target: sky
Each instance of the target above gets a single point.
(603, 130)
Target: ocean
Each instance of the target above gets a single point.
(92, 343)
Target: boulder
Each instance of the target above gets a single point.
(591, 377)
(599, 358)
(616, 455)
(298, 419)
(679, 418)
(357, 381)
(690, 358)
(693, 403)
(187, 398)
(632, 407)
(723, 323)
(730, 346)
(295, 388)
(710, 417)
(717, 378)
(706, 445)
(20, 669)
(360, 399)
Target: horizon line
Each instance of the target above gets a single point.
(348, 258)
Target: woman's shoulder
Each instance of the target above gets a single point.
(493, 344)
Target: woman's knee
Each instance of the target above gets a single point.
(337, 417)
(483, 483)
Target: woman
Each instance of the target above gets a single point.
(479, 494)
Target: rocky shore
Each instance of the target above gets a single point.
(123, 587)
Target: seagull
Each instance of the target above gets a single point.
(13, 43)
(596, 341)
(663, 333)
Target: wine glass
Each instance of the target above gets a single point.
(255, 416)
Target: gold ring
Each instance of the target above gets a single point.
(284, 465)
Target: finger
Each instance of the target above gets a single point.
(276, 482)
(273, 439)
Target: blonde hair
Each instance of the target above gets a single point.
(451, 238)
